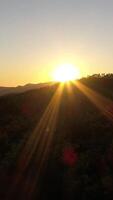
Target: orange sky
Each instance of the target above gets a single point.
(37, 36)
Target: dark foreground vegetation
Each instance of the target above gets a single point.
(80, 160)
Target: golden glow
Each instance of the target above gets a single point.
(66, 72)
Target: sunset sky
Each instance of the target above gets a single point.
(38, 35)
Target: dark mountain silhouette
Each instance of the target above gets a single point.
(20, 89)
(72, 159)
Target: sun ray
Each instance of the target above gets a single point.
(37, 147)
(104, 104)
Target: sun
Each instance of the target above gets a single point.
(65, 73)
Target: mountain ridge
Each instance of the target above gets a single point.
(19, 89)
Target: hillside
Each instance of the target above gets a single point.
(78, 163)
(20, 89)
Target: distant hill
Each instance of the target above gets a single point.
(20, 89)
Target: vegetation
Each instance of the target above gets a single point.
(80, 163)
